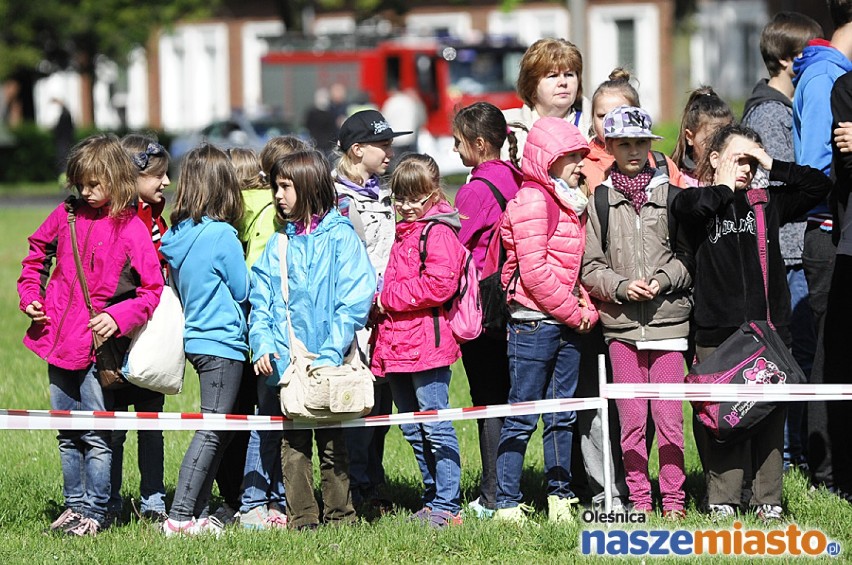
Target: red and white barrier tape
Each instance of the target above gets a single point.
(718, 393)
(87, 420)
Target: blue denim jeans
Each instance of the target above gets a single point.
(85, 456)
(220, 383)
(263, 482)
(544, 363)
(150, 452)
(804, 348)
(435, 444)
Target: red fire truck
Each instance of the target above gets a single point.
(445, 74)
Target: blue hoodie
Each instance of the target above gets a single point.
(815, 72)
(211, 276)
(331, 286)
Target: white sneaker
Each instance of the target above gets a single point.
(178, 527)
(210, 525)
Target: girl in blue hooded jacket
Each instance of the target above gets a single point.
(331, 286)
(206, 263)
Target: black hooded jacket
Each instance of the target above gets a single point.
(720, 235)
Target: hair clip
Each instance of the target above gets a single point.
(141, 159)
(262, 175)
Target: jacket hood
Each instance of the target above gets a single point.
(444, 213)
(819, 51)
(550, 138)
(331, 219)
(762, 92)
(254, 202)
(180, 238)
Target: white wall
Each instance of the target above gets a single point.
(194, 75)
(254, 47)
(530, 24)
(66, 87)
(602, 58)
(725, 49)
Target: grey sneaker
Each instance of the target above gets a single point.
(769, 513)
(254, 519)
(225, 515)
(720, 512)
(65, 519)
(83, 527)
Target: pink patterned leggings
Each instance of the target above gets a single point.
(630, 365)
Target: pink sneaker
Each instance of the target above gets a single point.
(276, 519)
(65, 520)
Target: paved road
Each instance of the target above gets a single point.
(30, 201)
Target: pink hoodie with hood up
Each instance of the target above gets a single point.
(549, 267)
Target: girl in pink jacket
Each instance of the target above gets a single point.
(124, 280)
(543, 231)
(414, 343)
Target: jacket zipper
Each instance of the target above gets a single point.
(740, 257)
(641, 264)
(71, 294)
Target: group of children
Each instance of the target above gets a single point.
(593, 233)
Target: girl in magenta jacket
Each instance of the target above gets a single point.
(414, 343)
(480, 131)
(543, 231)
(123, 275)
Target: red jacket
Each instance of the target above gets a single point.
(406, 336)
(121, 270)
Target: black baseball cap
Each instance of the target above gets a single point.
(364, 127)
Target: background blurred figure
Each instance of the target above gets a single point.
(321, 123)
(339, 103)
(404, 110)
(63, 136)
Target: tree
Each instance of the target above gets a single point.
(43, 36)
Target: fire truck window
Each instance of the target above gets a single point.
(477, 72)
(392, 73)
(426, 81)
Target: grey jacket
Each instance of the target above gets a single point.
(637, 248)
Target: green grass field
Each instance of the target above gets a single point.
(31, 485)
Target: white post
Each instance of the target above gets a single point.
(605, 445)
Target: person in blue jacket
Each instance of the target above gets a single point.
(331, 284)
(820, 65)
(207, 266)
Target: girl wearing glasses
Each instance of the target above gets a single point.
(414, 345)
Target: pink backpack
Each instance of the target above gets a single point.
(464, 309)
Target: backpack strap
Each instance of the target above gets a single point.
(660, 161)
(498, 196)
(601, 197)
(436, 312)
(757, 198)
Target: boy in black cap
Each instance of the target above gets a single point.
(365, 145)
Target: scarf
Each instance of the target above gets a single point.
(633, 188)
(572, 196)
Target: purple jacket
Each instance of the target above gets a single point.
(406, 339)
(479, 211)
(121, 269)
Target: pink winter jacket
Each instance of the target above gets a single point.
(549, 268)
(121, 269)
(406, 340)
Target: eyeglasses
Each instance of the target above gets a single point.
(411, 203)
(141, 159)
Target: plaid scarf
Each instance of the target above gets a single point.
(633, 188)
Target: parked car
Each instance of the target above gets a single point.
(237, 131)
